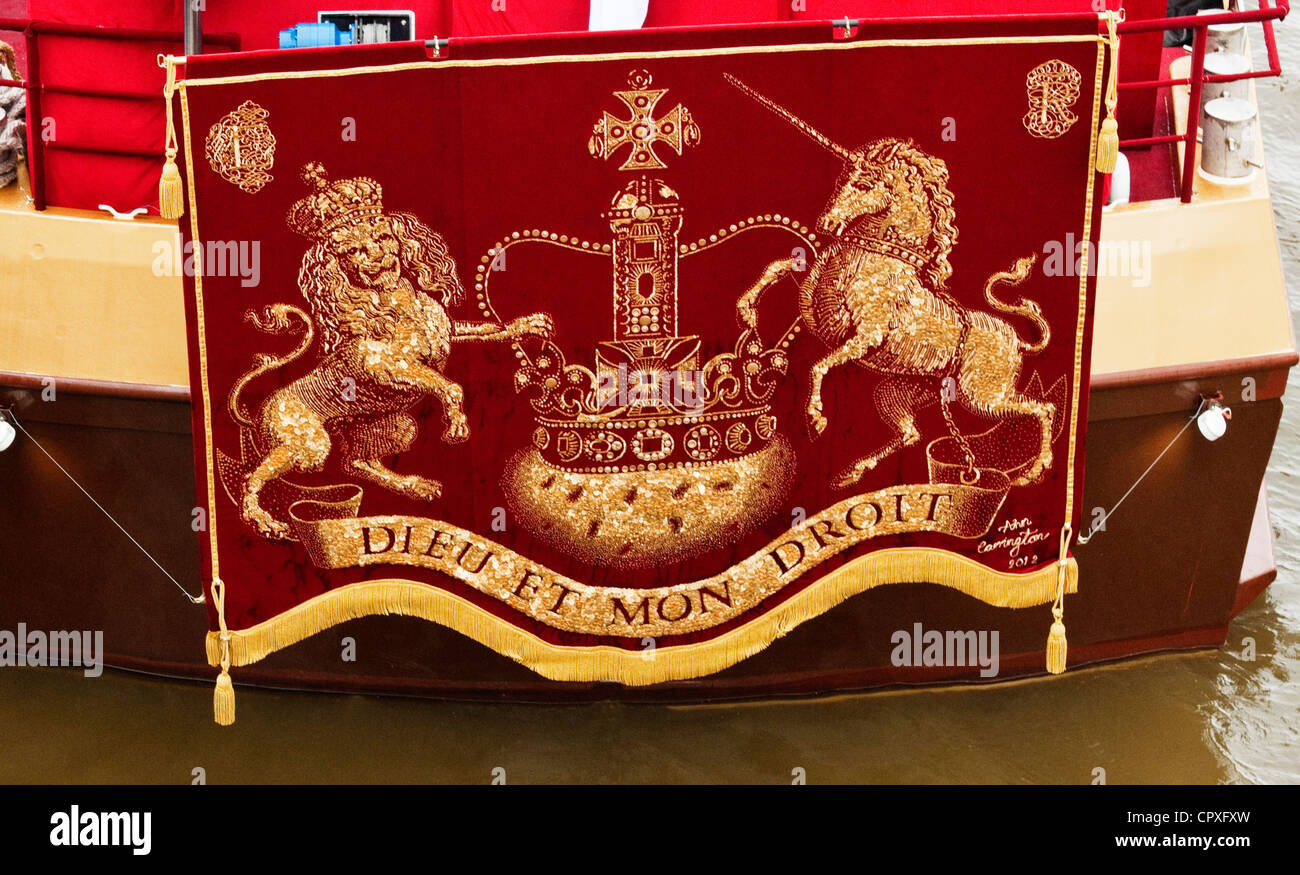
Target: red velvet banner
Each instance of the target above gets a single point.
(626, 354)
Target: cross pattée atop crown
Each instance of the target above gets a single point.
(332, 204)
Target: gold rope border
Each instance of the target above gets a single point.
(202, 337)
(666, 662)
(1089, 202)
(650, 54)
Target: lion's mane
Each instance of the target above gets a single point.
(425, 263)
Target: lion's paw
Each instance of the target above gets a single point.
(267, 526)
(420, 488)
(539, 324)
(457, 431)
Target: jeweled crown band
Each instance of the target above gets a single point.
(650, 444)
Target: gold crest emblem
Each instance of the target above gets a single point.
(241, 148)
(642, 130)
(653, 452)
(1052, 88)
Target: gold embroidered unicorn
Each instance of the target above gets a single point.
(874, 295)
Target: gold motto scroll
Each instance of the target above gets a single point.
(335, 538)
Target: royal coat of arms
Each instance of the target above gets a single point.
(697, 431)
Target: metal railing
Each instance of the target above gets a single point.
(32, 30)
(1268, 12)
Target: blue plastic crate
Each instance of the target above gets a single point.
(311, 34)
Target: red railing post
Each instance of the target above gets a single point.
(1270, 43)
(35, 124)
(1193, 113)
(1269, 11)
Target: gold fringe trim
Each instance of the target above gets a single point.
(665, 662)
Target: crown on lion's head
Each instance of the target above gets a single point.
(358, 247)
(332, 204)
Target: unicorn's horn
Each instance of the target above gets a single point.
(817, 136)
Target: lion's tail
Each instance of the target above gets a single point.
(275, 319)
(1024, 307)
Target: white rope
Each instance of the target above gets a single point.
(198, 600)
(1083, 539)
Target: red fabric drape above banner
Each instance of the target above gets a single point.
(572, 342)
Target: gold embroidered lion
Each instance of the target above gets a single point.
(378, 285)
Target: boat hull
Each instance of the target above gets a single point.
(1166, 574)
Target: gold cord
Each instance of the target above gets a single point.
(1056, 642)
(223, 700)
(1108, 139)
(171, 199)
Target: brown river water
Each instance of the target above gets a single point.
(1207, 717)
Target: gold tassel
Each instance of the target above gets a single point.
(171, 199)
(223, 698)
(1108, 146)
(171, 202)
(1108, 140)
(1056, 644)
